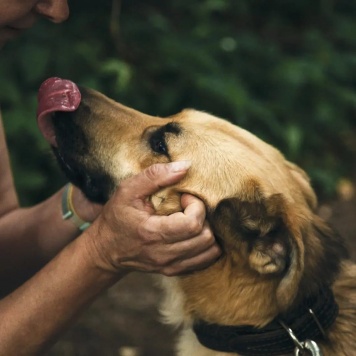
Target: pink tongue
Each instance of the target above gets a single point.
(55, 94)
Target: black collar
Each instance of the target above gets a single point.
(273, 339)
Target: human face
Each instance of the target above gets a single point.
(17, 16)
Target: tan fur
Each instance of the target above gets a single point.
(261, 207)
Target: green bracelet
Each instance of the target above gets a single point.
(68, 211)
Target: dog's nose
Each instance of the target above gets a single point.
(55, 94)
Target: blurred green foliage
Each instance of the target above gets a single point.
(283, 69)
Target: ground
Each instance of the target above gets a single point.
(124, 321)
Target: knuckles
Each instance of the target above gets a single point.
(153, 172)
(208, 236)
(193, 227)
(162, 260)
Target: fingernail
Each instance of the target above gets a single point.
(180, 166)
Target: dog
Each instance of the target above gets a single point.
(284, 282)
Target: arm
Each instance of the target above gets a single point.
(126, 236)
(32, 236)
(35, 314)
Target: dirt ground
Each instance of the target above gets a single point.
(124, 321)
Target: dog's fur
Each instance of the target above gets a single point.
(261, 207)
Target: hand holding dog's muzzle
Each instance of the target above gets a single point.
(132, 237)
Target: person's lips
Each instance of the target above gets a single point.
(23, 24)
(8, 33)
(14, 29)
(18, 29)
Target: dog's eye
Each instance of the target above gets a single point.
(158, 145)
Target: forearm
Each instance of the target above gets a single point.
(37, 312)
(30, 237)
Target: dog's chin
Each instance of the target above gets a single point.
(96, 186)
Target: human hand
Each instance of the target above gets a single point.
(128, 235)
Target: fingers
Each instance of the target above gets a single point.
(155, 177)
(182, 225)
(188, 199)
(193, 209)
(192, 254)
(193, 246)
(194, 263)
(186, 255)
(179, 258)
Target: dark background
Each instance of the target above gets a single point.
(285, 70)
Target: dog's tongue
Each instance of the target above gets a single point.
(55, 94)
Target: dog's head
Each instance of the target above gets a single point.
(261, 206)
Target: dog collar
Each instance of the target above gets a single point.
(307, 321)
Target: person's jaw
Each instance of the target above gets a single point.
(7, 34)
(15, 29)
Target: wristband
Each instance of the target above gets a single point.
(68, 211)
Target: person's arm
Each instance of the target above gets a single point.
(33, 316)
(8, 197)
(126, 236)
(30, 237)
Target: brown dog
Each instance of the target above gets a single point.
(284, 273)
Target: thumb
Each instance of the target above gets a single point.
(157, 176)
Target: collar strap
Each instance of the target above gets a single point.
(308, 320)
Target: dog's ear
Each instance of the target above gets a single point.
(261, 235)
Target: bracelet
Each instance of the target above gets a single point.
(68, 211)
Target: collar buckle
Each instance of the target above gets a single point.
(307, 347)
(310, 347)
